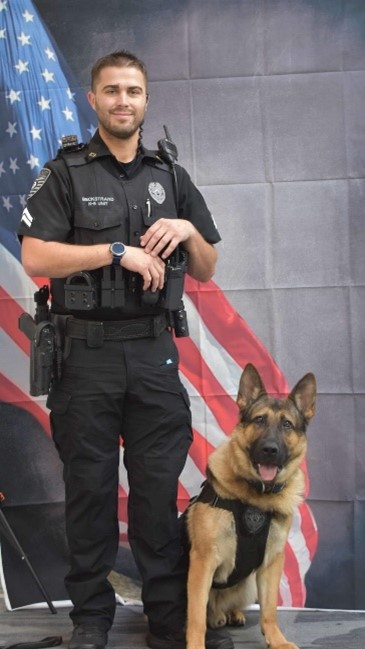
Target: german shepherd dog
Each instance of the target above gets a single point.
(238, 526)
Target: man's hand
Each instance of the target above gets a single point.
(151, 268)
(165, 235)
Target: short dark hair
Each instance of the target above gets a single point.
(119, 59)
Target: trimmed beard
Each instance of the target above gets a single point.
(125, 133)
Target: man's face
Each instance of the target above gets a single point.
(119, 99)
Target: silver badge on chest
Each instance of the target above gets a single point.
(157, 192)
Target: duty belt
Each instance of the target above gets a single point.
(96, 332)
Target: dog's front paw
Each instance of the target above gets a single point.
(236, 618)
(276, 640)
(285, 645)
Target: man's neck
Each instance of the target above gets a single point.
(123, 150)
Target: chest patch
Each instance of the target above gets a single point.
(43, 175)
(157, 192)
(254, 519)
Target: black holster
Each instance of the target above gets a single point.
(43, 353)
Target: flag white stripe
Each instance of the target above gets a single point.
(15, 282)
(220, 362)
(298, 544)
(191, 478)
(204, 420)
(285, 591)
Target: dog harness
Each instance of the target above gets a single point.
(252, 528)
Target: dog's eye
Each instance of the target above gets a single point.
(287, 424)
(260, 419)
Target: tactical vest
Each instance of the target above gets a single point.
(106, 209)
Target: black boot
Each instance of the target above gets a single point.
(213, 640)
(88, 636)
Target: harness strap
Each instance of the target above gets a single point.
(252, 529)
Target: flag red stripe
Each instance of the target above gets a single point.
(232, 332)
(196, 370)
(122, 504)
(183, 495)
(297, 588)
(9, 315)
(309, 530)
(200, 450)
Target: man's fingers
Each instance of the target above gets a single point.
(154, 276)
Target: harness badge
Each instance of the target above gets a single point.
(157, 192)
(254, 519)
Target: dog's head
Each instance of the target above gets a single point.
(272, 431)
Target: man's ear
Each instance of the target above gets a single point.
(91, 99)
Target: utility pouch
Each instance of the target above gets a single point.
(42, 338)
(174, 286)
(80, 292)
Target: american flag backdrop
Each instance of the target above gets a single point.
(40, 102)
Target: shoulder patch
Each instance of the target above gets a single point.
(44, 174)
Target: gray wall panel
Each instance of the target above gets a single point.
(310, 234)
(312, 332)
(359, 563)
(356, 223)
(236, 120)
(357, 319)
(226, 43)
(332, 570)
(242, 218)
(304, 119)
(354, 35)
(302, 36)
(354, 87)
(332, 448)
(360, 449)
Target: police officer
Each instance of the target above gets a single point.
(103, 221)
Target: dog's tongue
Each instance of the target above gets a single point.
(267, 472)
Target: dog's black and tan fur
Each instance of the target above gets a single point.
(259, 465)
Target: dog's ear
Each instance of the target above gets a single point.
(304, 395)
(250, 387)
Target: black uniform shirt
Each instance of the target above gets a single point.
(95, 199)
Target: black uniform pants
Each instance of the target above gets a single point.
(127, 390)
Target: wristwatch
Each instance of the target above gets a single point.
(117, 249)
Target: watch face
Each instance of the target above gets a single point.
(117, 249)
